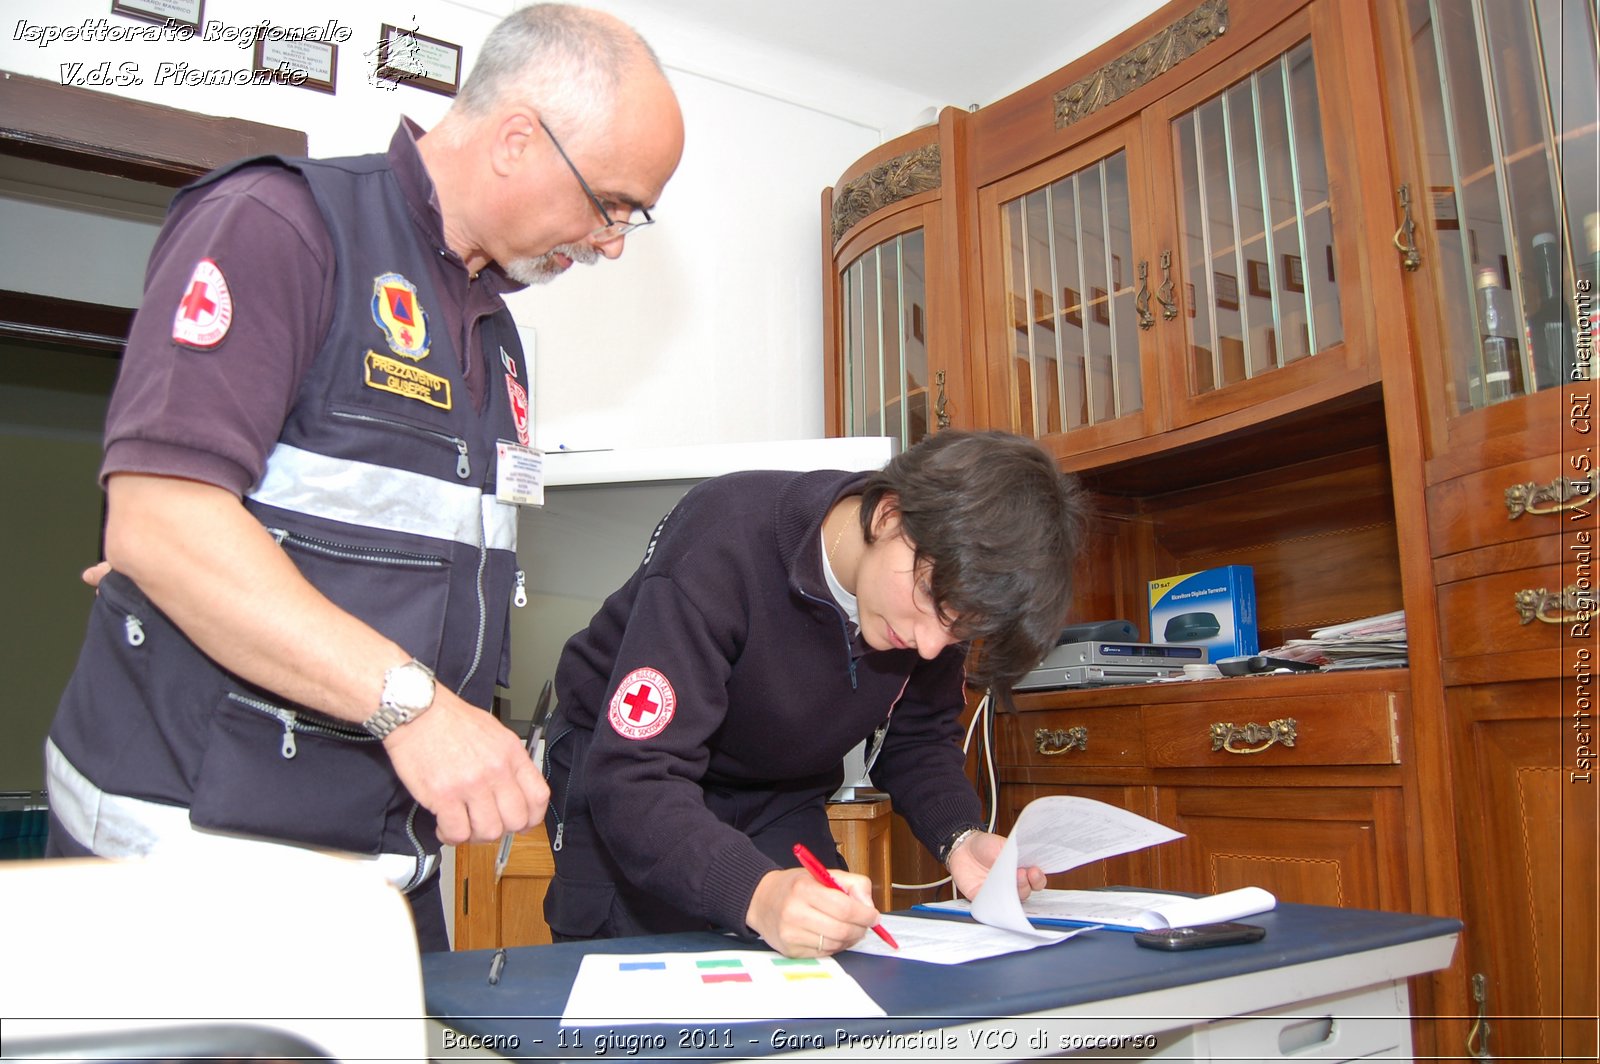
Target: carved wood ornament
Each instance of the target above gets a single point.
(904, 175)
(1142, 64)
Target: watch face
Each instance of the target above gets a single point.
(408, 687)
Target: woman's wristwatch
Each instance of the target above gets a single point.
(954, 842)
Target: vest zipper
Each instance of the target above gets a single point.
(134, 629)
(566, 792)
(420, 873)
(381, 555)
(519, 597)
(483, 611)
(463, 462)
(293, 722)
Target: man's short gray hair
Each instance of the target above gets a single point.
(566, 61)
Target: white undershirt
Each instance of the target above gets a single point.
(845, 599)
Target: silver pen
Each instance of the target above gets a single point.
(541, 715)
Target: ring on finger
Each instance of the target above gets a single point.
(820, 950)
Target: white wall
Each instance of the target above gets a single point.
(708, 329)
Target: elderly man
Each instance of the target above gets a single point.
(309, 459)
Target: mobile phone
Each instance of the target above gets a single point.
(1200, 936)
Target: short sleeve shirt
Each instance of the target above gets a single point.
(252, 251)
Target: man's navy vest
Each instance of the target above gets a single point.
(381, 489)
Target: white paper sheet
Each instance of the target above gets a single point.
(1056, 833)
(1124, 909)
(613, 989)
(953, 941)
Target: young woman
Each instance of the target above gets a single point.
(777, 620)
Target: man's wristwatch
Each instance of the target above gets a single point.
(954, 842)
(407, 693)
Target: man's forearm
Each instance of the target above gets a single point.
(211, 567)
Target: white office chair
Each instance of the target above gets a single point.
(310, 956)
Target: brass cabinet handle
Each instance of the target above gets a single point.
(1169, 306)
(1478, 1036)
(1550, 608)
(1225, 734)
(1053, 742)
(940, 402)
(1141, 300)
(1405, 238)
(1558, 496)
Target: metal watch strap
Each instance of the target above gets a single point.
(393, 710)
(385, 720)
(955, 842)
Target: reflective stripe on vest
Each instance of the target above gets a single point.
(382, 497)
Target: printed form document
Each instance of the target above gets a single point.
(1056, 833)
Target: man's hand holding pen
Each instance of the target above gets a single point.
(541, 717)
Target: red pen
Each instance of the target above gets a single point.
(820, 874)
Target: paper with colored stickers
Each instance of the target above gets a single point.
(612, 989)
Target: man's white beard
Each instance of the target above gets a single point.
(544, 269)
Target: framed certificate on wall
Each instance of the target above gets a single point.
(411, 58)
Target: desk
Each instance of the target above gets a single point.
(1325, 981)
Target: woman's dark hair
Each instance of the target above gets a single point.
(1000, 529)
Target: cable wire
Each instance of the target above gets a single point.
(983, 716)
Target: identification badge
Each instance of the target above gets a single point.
(519, 474)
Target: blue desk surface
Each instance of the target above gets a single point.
(1095, 966)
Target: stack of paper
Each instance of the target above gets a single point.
(1127, 910)
(1369, 643)
(1054, 833)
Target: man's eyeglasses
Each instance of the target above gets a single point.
(612, 230)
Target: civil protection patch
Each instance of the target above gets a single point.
(398, 312)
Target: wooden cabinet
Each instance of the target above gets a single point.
(1309, 286)
(1291, 783)
(1494, 148)
(1192, 261)
(1527, 829)
(510, 912)
(894, 255)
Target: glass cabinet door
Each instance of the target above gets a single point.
(1253, 307)
(1504, 95)
(884, 316)
(1062, 287)
(1260, 288)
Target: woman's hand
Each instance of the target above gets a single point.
(799, 917)
(970, 863)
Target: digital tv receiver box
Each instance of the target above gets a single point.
(1215, 609)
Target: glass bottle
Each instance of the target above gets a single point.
(1501, 368)
(1549, 328)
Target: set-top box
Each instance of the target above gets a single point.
(1168, 655)
(1096, 663)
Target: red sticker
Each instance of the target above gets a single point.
(206, 309)
(519, 409)
(642, 705)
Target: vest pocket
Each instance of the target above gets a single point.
(281, 773)
(400, 592)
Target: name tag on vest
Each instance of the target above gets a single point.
(519, 474)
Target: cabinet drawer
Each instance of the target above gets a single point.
(1510, 502)
(1062, 738)
(1264, 732)
(1519, 610)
